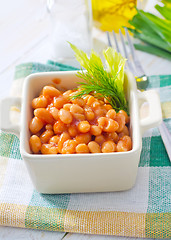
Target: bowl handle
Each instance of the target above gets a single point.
(154, 117)
(5, 107)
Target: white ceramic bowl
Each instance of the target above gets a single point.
(73, 173)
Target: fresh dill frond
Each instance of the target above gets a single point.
(107, 83)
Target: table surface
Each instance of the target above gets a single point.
(24, 31)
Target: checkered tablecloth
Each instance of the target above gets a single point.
(144, 211)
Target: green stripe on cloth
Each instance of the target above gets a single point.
(159, 81)
(159, 190)
(168, 123)
(23, 70)
(164, 93)
(61, 66)
(42, 218)
(15, 150)
(47, 212)
(145, 153)
(158, 154)
(165, 80)
(158, 217)
(50, 200)
(153, 153)
(154, 82)
(6, 144)
(157, 225)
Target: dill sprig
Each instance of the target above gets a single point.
(101, 82)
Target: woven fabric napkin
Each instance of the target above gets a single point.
(144, 211)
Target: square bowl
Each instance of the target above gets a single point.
(74, 173)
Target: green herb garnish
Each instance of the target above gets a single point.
(100, 81)
(154, 31)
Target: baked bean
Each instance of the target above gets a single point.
(69, 147)
(94, 147)
(126, 115)
(108, 146)
(84, 126)
(100, 139)
(54, 140)
(99, 111)
(95, 130)
(80, 117)
(59, 127)
(107, 124)
(124, 144)
(40, 102)
(124, 132)
(87, 108)
(67, 106)
(83, 138)
(90, 100)
(111, 114)
(108, 107)
(85, 97)
(54, 111)
(89, 114)
(111, 126)
(49, 149)
(46, 135)
(101, 102)
(44, 115)
(104, 110)
(60, 101)
(77, 112)
(63, 137)
(65, 116)
(78, 101)
(112, 136)
(74, 92)
(72, 130)
(101, 122)
(67, 93)
(36, 125)
(82, 148)
(106, 100)
(75, 109)
(120, 118)
(48, 127)
(95, 104)
(35, 144)
(49, 91)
